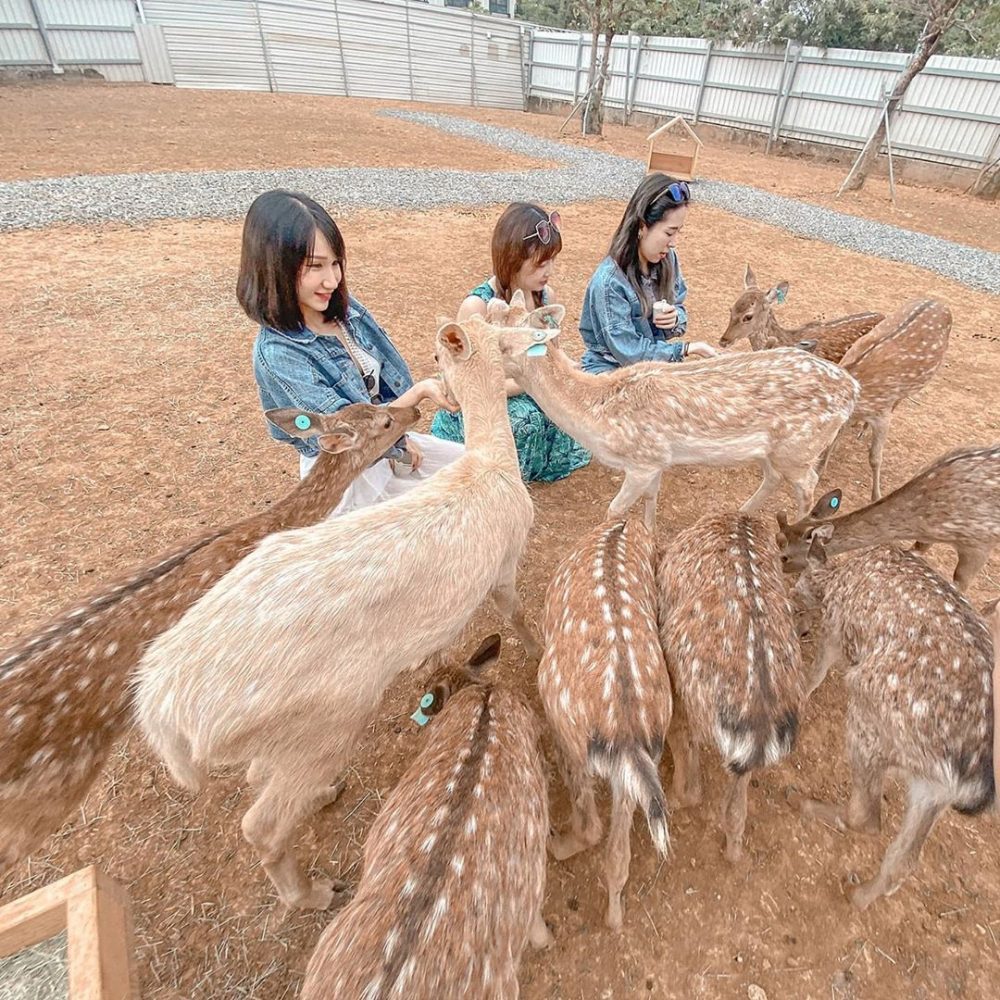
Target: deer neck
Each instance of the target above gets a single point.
(785, 336)
(565, 393)
(482, 394)
(875, 524)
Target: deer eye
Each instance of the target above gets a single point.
(387, 423)
(748, 317)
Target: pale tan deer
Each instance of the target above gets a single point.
(919, 667)
(454, 864)
(891, 362)
(727, 631)
(954, 500)
(752, 316)
(64, 695)
(283, 662)
(779, 409)
(606, 693)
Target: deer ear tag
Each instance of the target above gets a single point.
(834, 502)
(781, 296)
(303, 422)
(538, 349)
(418, 716)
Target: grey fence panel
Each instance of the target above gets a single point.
(374, 34)
(497, 51)
(153, 50)
(304, 55)
(20, 41)
(442, 56)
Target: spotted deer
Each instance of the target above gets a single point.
(891, 362)
(283, 662)
(780, 410)
(727, 631)
(752, 316)
(918, 663)
(606, 693)
(454, 864)
(64, 695)
(954, 500)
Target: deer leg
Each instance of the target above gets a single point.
(880, 431)
(619, 855)
(508, 603)
(585, 824)
(175, 751)
(258, 773)
(824, 460)
(772, 479)
(734, 815)
(651, 493)
(970, 562)
(805, 489)
(539, 934)
(925, 803)
(687, 764)
(635, 485)
(269, 826)
(828, 653)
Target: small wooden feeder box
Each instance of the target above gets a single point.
(673, 151)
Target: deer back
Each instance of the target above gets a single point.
(920, 662)
(602, 678)
(834, 338)
(728, 635)
(901, 354)
(454, 865)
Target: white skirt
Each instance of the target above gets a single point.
(378, 482)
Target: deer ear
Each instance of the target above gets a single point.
(777, 294)
(827, 506)
(809, 346)
(336, 441)
(989, 607)
(818, 537)
(547, 317)
(296, 422)
(782, 518)
(486, 655)
(455, 341)
(749, 278)
(517, 300)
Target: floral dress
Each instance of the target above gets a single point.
(544, 452)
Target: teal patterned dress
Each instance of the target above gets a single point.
(544, 452)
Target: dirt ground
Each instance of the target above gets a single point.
(128, 419)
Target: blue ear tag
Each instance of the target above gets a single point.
(834, 502)
(537, 351)
(781, 295)
(418, 716)
(303, 422)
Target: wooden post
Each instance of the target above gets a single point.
(704, 80)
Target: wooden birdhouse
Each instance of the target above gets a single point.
(674, 150)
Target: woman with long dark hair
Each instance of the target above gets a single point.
(526, 241)
(633, 309)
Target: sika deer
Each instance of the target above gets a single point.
(891, 362)
(780, 409)
(284, 661)
(727, 632)
(64, 687)
(454, 866)
(955, 500)
(919, 664)
(752, 316)
(606, 692)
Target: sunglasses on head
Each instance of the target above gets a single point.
(677, 191)
(545, 228)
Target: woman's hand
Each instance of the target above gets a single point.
(699, 349)
(433, 390)
(665, 318)
(416, 455)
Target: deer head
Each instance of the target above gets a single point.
(349, 428)
(748, 316)
(529, 338)
(805, 541)
(473, 670)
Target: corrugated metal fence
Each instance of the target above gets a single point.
(357, 48)
(951, 112)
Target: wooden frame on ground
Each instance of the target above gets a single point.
(94, 911)
(666, 156)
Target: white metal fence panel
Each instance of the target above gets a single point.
(20, 41)
(303, 57)
(376, 49)
(498, 58)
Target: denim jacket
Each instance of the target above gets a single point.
(613, 328)
(316, 373)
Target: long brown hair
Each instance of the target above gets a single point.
(649, 203)
(278, 235)
(514, 242)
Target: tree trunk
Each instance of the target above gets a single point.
(592, 105)
(987, 184)
(928, 43)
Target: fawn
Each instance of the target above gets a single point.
(454, 864)
(919, 669)
(727, 631)
(284, 661)
(752, 316)
(606, 692)
(64, 695)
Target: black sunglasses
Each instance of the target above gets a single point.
(371, 385)
(677, 191)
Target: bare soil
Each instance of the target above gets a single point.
(129, 419)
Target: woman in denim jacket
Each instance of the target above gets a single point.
(526, 240)
(633, 309)
(319, 349)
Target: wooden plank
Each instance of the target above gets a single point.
(35, 917)
(676, 164)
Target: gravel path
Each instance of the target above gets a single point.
(582, 175)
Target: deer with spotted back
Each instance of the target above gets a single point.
(779, 409)
(606, 693)
(454, 864)
(282, 663)
(918, 662)
(954, 500)
(752, 316)
(892, 361)
(728, 634)
(64, 694)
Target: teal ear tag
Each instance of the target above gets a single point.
(781, 296)
(418, 716)
(303, 422)
(834, 502)
(537, 351)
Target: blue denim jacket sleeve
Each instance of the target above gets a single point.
(628, 342)
(680, 294)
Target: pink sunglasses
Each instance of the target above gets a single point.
(545, 228)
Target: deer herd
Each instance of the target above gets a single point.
(269, 643)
